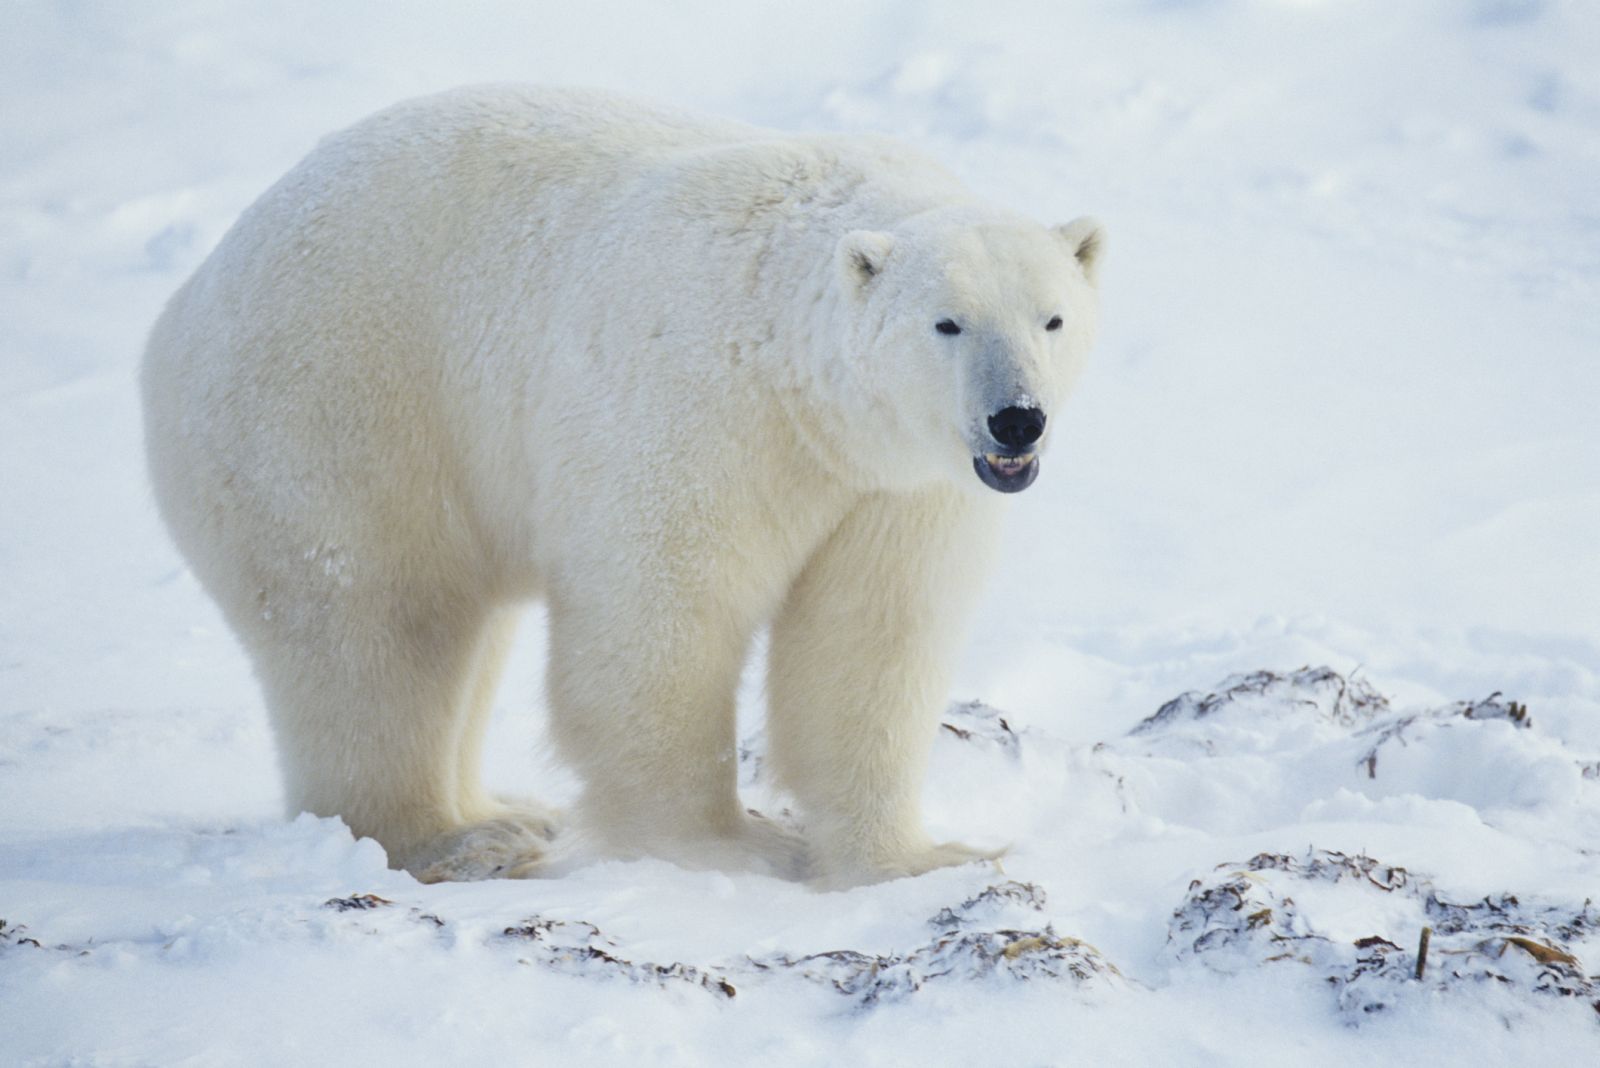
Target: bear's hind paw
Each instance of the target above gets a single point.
(776, 847)
(541, 819)
(502, 848)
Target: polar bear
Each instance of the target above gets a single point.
(681, 379)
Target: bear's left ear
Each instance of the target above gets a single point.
(861, 256)
(1087, 239)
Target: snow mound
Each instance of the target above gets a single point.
(1393, 729)
(1319, 692)
(970, 947)
(967, 949)
(1361, 926)
(1267, 749)
(955, 956)
(976, 722)
(574, 947)
(15, 934)
(988, 903)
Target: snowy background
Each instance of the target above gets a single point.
(1343, 415)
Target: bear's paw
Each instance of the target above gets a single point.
(513, 845)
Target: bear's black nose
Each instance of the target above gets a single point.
(1017, 428)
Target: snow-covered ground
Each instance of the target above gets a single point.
(1343, 414)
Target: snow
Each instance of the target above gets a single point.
(1342, 414)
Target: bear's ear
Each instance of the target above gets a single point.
(1087, 239)
(862, 254)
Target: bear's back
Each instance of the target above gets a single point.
(529, 143)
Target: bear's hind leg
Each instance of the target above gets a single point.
(483, 680)
(371, 703)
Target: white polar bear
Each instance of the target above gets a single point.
(682, 379)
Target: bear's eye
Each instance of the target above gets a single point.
(1054, 323)
(947, 326)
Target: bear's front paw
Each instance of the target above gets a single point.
(737, 840)
(908, 863)
(946, 855)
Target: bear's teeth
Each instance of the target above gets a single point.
(1009, 463)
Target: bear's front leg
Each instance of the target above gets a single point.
(859, 670)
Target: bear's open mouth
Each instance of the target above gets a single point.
(1008, 474)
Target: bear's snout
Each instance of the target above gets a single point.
(1017, 428)
(1014, 466)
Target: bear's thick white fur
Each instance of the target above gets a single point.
(679, 378)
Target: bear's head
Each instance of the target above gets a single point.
(966, 330)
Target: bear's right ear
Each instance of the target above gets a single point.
(1087, 239)
(861, 256)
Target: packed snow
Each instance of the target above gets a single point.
(1294, 654)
